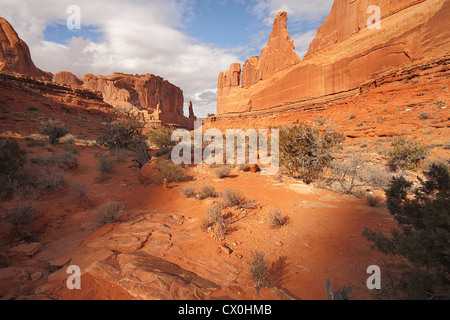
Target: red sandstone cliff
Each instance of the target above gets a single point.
(344, 54)
(142, 92)
(15, 55)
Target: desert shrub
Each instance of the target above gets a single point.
(141, 152)
(189, 191)
(276, 218)
(35, 143)
(70, 149)
(243, 167)
(105, 164)
(424, 115)
(79, 189)
(11, 157)
(21, 215)
(260, 271)
(170, 171)
(65, 160)
(406, 154)
(341, 294)
(375, 176)
(234, 198)
(54, 130)
(207, 192)
(215, 222)
(222, 172)
(121, 155)
(120, 134)
(161, 137)
(305, 152)
(347, 171)
(373, 200)
(423, 235)
(111, 211)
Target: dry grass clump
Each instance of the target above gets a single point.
(170, 171)
(105, 164)
(189, 191)
(21, 214)
(222, 172)
(276, 218)
(373, 200)
(111, 211)
(234, 198)
(215, 222)
(207, 191)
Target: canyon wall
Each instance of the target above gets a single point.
(344, 54)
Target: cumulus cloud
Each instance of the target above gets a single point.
(148, 37)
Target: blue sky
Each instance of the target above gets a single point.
(188, 42)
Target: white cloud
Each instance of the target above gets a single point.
(302, 42)
(137, 37)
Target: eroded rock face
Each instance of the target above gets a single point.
(67, 79)
(141, 91)
(344, 54)
(15, 55)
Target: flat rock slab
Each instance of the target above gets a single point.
(26, 249)
(147, 277)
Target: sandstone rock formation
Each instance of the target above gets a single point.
(67, 79)
(144, 92)
(15, 55)
(123, 91)
(344, 54)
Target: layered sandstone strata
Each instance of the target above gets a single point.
(344, 54)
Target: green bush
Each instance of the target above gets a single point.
(54, 130)
(406, 154)
(305, 152)
(423, 235)
(161, 137)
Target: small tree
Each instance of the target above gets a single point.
(423, 236)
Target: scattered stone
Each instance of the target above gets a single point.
(225, 249)
(278, 243)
